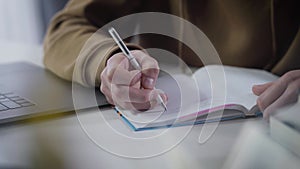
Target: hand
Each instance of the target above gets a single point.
(128, 88)
(273, 95)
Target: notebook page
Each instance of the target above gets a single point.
(238, 81)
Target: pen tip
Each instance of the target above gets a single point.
(162, 102)
(164, 105)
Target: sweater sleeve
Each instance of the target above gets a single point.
(73, 49)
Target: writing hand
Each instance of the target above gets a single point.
(128, 88)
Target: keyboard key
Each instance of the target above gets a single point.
(2, 108)
(26, 104)
(11, 104)
(16, 98)
(4, 100)
(10, 95)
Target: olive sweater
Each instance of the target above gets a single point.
(262, 34)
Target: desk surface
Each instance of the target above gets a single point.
(62, 142)
(64, 139)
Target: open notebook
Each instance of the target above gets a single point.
(211, 94)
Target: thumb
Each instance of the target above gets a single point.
(148, 82)
(149, 74)
(150, 69)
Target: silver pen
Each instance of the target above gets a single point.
(129, 56)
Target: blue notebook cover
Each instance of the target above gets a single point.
(131, 126)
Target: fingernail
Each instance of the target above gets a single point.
(148, 83)
(164, 97)
(258, 85)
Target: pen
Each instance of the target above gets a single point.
(129, 56)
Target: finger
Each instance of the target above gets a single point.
(116, 61)
(143, 106)
(130, 94)
(162, 95)
(150, 69)
(271, 94)
(105, 90)
(104, 76)
(259, 89)
(125, 77)
(104, 82)
(109, 100)
(290, 95)
(276, 90)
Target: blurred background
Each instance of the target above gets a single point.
(26, 21)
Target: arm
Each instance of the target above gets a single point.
(67, 34)
(66, 57)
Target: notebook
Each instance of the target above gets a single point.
(212, 93)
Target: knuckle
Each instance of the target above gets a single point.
(151, 70)
(106, 75)
(137, 52)
(292, 93)
(111, 60)
(111, 74)
(154, 61)
(282, 82)
(289, 76)
(102, 88)
(102, 75)
(115, 58)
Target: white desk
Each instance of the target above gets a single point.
(62, 143)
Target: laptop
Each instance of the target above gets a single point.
(27, 90)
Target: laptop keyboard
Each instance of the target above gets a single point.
(11, 101)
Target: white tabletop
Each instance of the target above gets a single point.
(64, 143)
